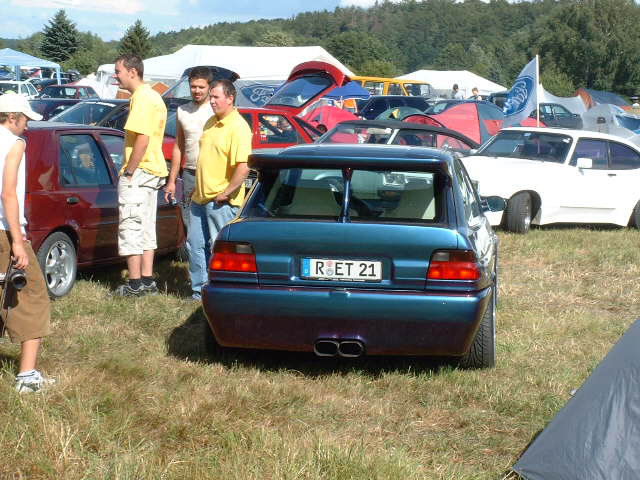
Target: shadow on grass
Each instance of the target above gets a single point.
(194, 341)
(171, 275)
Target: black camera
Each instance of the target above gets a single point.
(17, 277)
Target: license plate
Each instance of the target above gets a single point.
(343, 270)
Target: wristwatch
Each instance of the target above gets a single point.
(127, 173)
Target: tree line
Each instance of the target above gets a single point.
(581, 43)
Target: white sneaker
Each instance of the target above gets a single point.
(34, 382)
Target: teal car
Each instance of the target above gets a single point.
(351, 250)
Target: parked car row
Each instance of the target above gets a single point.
(383, 249)
(376, 234)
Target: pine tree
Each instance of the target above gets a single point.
(60, 38)
(135, 41)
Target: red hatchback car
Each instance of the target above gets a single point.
(72, 201)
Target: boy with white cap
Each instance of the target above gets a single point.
(26, 312)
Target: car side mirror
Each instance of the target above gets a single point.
(584, 162)
(473, 151)
(476, 185)
(493, 204)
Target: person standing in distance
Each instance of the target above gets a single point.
(141, 176)
(191, 118)
(222, 168)
(455, 93)
(475, 94)
(26, 313)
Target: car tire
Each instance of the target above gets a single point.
(518, 213)
(634, 221)
(59, 263)
(482, 353)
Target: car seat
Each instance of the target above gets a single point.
(417, 201)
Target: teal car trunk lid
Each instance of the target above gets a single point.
(285, 251)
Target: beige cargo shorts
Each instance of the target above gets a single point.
(138, 206)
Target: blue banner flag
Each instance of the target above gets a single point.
(522, 99)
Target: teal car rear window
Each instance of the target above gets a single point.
(375, 196)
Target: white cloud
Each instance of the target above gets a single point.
(119, 6)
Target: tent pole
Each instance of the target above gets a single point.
(538, 87)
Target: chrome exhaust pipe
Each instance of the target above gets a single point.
(351, 348)
(326, 348)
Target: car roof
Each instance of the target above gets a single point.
(464, 100)
(568, 131)
(45, 125)
(274, 111)
(391, 96)
(108, 101)
(400, 125)
(357, 156)
(55, 100)
(67, 85)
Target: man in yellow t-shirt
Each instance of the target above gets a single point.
(221, 170)
(142, 174)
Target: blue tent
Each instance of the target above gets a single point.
(350, 90)
(15, 59)
(600, 97)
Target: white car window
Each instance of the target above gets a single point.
(32, 90)
(623, 157)
(596, 150)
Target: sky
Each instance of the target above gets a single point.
(110, 18)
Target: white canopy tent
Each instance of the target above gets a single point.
(573, 104)
(255, 63)
(105, 85)
(442, 81)
(269, 63)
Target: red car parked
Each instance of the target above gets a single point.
(72, 201)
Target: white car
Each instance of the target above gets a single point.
(558, 176)
(23, 88)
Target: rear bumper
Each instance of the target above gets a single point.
(387, 322)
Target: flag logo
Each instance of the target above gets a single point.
(522, 99)
(519, 95)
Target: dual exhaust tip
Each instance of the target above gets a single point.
(342, 348)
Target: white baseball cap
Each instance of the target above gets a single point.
(11, 102)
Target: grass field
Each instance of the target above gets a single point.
(142, 397)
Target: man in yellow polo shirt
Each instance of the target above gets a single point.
(142, 174)
(225, 146)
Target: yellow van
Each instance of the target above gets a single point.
(394, 86)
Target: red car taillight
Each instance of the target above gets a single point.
(233, 257)
(453, 265)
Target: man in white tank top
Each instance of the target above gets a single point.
(191, 118)
(25, 309)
